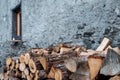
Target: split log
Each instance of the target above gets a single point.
(105, 42)
(8, 62)
(27, 58)
(82, 72)
(58, 74)
(23, 75)
(117, 50)
(12, 78)
(29, 78)
(95, 63)
(51, 73)
(1, 76)
(17, 65)
(71, 64)
(57, 49)
(43, 61)
(22, 66)
(32, 66)
(16, 73)
(26, 71)
(22, 58)
(35, 52)
(63, 50)
(111, 64)
(36, 75)
(115, 78)
(12, 65)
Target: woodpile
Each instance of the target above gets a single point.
(65, 62)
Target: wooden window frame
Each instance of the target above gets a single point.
(16, 23)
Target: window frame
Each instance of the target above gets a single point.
(16, 23)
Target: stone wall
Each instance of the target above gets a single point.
(84, 22)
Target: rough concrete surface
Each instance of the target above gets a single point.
(48, 22)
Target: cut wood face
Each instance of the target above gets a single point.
(36, 75)
(71, 65)
(95, 64)
(51, 73)
(27, 58)
(22, 58)
(43, 61)
(58, 74)
(115, 78)
(105, 42)
(117, 50)
(63, 49)
(12, 65)
(29, 78)
(22, 67)
(26, 71)
(57, 49)
(111, 64)
(8, 61)
(32, 66)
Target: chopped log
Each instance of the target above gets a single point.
(71, 64)
(42, 74)
(26, 71)
(27, 58)
(115, 78)
(117, 50)
(63, 50)
(23, 75)
(43, 61)
(1, 76)
(95, 63)
(12, 65)
(60, 45)
(16, 73)
(22, 58)
(82, 72)
(57, 49)
(8, 73)
(8, 62)
(29, 78)
(32, 66)
(105, 42)
(111, 64)
(5, 76)
(58, 74)
(89, 52)
(37, 52)
(51, 73)
(106, 50)
(22, 66)
(16, 65)
(36, 75)
(12, 78)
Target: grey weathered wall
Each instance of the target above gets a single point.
(47, 22)
(83, 22)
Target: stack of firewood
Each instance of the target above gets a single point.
(65, 62)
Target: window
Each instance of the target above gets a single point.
(16, 23)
